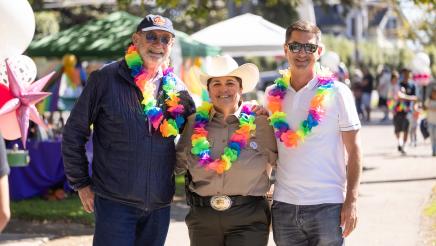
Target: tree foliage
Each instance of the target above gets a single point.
(372, 55)
(192, 15)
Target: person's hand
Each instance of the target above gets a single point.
(87, 198)
(348, 217)
(270, 193)
(259, 110)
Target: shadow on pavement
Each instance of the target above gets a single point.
(365, 168)
(378, 123)
(410, 156)
(22, 230)
(179, 211)
(398, 180)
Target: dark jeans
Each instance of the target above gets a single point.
(243, 225)
(307, 225)
(119, 224)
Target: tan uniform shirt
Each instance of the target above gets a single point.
(249, 174)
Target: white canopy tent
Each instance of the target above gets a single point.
(244, 35)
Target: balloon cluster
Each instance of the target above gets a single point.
(18, 91)
(421, 68)
(330, 60)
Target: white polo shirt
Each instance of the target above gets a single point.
(315, 171)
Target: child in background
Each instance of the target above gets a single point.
(414, 118)
(431, 116)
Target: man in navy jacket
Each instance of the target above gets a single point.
(132, 182)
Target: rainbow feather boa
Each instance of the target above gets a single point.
(275, 97)
(238, 140)
(171, 125)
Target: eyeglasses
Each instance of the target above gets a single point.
(152, 37)
(308, 48)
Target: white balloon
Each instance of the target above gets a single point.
(23, 67)
(331, 60)
(420, 63)
(17, 27)
(424, 58)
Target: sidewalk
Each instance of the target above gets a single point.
(394, 190)
(392, 195)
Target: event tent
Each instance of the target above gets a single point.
(244, 35)
(107, 38)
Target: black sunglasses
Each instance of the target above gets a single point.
(308, 48)
(152, 37)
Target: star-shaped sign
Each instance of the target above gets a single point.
(24, 98)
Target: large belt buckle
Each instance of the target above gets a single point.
(220, 203)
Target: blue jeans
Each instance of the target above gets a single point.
(307, 225)
(119, 224)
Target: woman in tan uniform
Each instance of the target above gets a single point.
(227, 151)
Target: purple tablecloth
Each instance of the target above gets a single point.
(44, 170)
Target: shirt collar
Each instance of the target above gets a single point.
(235, 115)
(158, 76)
(310, 85)
(313, 83)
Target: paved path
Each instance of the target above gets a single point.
(393, 193)
(394, 190)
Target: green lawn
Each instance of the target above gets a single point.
(180, 185)
(67, 210)
(430, 211)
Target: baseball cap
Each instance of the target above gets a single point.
(156, 22)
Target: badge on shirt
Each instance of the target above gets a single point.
(253, 145)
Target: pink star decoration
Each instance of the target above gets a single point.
(24, 98)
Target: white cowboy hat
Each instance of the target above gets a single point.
(220, 66)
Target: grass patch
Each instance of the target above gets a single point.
(431, 209)
(180, 185)
(430, 213)
(67, 210)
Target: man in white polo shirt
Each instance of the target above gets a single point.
(319, 166)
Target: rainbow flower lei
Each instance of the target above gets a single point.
(238, 140)
(171, 125)
(275, 97)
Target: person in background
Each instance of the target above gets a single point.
(393, 90)
(367, 87)
(357, 89)
(414, 118)
(5, 212)
(404, 98)
(228, 152)
(431, 115)
(383, 89)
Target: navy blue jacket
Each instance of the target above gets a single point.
(131, 164)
